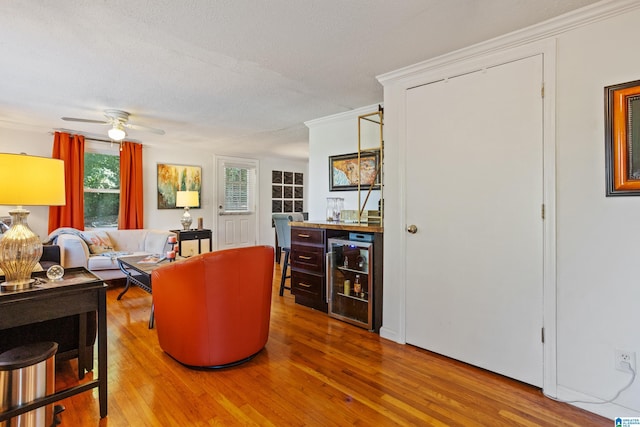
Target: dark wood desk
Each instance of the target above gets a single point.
(78, 293)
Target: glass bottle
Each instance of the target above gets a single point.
(347, 287)
(357, 286)
(334, 207)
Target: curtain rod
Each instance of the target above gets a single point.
(87, 138)
(92, 138)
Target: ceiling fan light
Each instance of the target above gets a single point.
(117, 132)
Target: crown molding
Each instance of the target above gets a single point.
(346, 115)
(544, 30)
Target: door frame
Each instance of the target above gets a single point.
(395, 89)
(216, 186)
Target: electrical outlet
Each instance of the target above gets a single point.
(625, 359)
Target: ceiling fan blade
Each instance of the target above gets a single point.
(144, 128)
(74, 119)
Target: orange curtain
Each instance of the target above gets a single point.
(131, 204)
(69, 148)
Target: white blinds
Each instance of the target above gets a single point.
(239, 188)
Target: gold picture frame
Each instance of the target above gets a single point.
(622, 136)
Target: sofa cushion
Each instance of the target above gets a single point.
(156, 242)
(107, 260)
(128, 240)
(100, 242)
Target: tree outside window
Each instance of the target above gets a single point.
(101, 190)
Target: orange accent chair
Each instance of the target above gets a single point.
(213, 310)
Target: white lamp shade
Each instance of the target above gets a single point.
(117, 132)
(187, 199)
(31, 180)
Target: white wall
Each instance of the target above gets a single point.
(40, 143)
(169, 219)
(598, 286)
(330, 136)
(598, 248)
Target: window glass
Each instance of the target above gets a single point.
(238, 189)
(101, 190)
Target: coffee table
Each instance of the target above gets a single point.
(138, 274)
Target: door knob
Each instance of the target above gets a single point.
(412, 229)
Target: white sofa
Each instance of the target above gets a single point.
(76, 249)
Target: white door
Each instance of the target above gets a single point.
(474, 190)
(237, 202)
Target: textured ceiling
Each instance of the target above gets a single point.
(227, 76)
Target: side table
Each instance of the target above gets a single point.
(77, 293)
(199, 235)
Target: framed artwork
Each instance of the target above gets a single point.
(343, 171)
(622, 137)
(173, 178)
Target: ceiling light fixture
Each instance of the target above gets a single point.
(117, 132)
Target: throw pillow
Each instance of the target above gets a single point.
(100, 241)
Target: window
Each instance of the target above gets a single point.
(238, 188)
(101, 189)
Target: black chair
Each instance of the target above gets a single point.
(283, 231)
(50, 256)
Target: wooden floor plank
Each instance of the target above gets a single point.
(314, 371)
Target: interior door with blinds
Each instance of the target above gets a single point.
(237, 202)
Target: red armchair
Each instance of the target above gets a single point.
(213, 310)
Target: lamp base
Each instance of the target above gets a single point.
(17, 285)
(186, 219)
(20, 251)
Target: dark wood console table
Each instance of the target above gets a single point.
(77, 293)
(198, 235)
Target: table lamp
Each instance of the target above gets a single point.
(30, 180)
(187, 199)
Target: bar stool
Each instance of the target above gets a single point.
(283, 231)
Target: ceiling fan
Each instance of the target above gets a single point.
(118, 120)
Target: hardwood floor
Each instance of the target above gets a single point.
(314, 371)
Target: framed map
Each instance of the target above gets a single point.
(343, 171)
